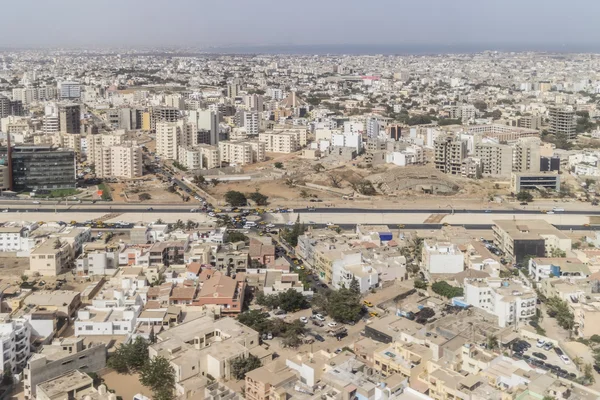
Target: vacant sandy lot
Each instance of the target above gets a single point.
(125, 385)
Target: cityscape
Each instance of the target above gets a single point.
(225, 218)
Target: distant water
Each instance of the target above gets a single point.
(403, 49)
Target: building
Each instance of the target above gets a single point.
(163, 114)
(534, 181)
(10, 107)
(15, 343)
(286, 141)
(70, 90)
(526, 155)
(73, 385)
(262, 382)
(59, 357)
(41, 167)
(501, 133)
(236, 153)
(496, 159)
(251, 122)
(534, 237)
(352, 268)
(5, 177)
(449, 152)
(442, 258)
(168, 139)
(530, 122)
(122, 161)
(510, 301)
(541, 268)
(562, 122)
(69, 118)
(51, 258)
(223, 291)
(98, 263)
(111, 320)
(15, 239)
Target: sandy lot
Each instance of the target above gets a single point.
(124, 385)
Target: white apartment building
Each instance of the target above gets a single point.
(107, 320)
(241, 153)
(409, 156)
(510, 301)
(97, 263)
(91, 144)
(541, 268)
(252, 122)
(15, 239)
(169, 137)
(15, 347)
(353, 140)
(50, 124)
(442, 258)
(122, 161)
(286, 141)
(351, 267)
(496, 159)
(202, 156)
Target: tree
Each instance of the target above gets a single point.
(588, 375)
(144, 196)
(291, 236)
(420, 284)
(480, 105)
(129, 357)
(424, 314)
(259, 198)
(189, 225)
(304, 193)
(355, 286)
(234, 236)
(159, 376)
(291, 300)
(278, 165)
(235, 198)
(558, 253)
(178, 224)
(152, 336)
(559, 309)
(199, 180)
(241, 366)
(492, 342)
(318, 167)
(344, 305)
(444, 289)
(524, 196)
(335, 180)
(215, 181)
(365, 187)
(496, 114)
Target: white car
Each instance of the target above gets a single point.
(290, 223)
(332, 324)
(36, 202)
(270, 225)
(565, 359)
(540, 343)
(320, 317)
(330, 224)
(6, 210)
(211, 214)
(304, 320)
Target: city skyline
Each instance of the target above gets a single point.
(510, 25)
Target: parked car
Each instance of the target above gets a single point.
(332, 324)
(319, 317)
(541, 356)
(548, 346)
(269, 336)
(540, 343)
(304, 320)
(558, 351)
(565, 359)
(317, 322)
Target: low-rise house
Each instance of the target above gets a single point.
(352, 268)
(262, 252)
(223, 291)
(51, 258)
(442, 258)
(544, 268)
(107, 321)
(64, 302)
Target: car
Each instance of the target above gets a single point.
(368, 303)
(5, 210)
(374, 314)
(548, 346)
(541, 356)
(290, 223)
(270, 225)
(338, 351)
(319, 338)
(540, 343)
(488, 211)
(304, 320)
(149, 209)
(269, 336)
(279, 312)
(523, 203)
(558, 351)
(317, 323)
(319, 317)
(36, 202)
(330, 224)
(565, 359)
(332, 324)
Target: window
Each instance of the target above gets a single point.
(89, 328)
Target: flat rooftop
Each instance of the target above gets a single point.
(529, 228)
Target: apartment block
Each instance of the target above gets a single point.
(449, 152)
(236, 153)
(510, 301)
(15, 239)
(15, 343)
(562, 122)
(168, 139)
(59, 357)
(69, 118)
(442, 258)
(352, 267)
(284, 141)
(526, 155)
(51, 258)
(496, 159)
(122, 161)
(262, 382)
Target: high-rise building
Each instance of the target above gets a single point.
(530, 121)
(69, 118)
(10, 107)
(526, 155)
(234, 88)
(168, 139)
(70, 90)
(373, 127)
(123, 161)
(394, 131)
(496, 159)
(562, 122)
(41, 167)
(449, 152)
(163, 114)
(251, 122)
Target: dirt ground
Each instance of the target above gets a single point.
(12, 266)
(151, 185)
(125, 385)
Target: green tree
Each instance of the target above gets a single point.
(199, 180)
(557, 308)
(420, 284)
(236, 199)
(344, 305)
(291, 235)
(278, 165)
(443, 288)
(492, 342)
(159, 376)
(524, 196)
(144, 196)
(355, 286)
(496, 114)
(235, 236)
(241, 366)
(259, 198)
(129, 357)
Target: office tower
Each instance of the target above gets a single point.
(214, 128)
(449, 152)
(526, 155)
(394, 132)
(562, 122)
(168, 138)
(70, 90)
(495, 159)
(69, 118)
(251, 122)
(41, 167)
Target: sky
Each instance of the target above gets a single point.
(202, 23)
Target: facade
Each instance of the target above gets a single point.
(59, 357)
(532, 181)
(544, 268)
(123, 161)
(70, 90)
(15, 343)
(99, 263)
(120, 320)
(251, 122)
(510, 301)
(262, 382)
(442, 258)
(5, 182)
(237, 153)
(15, 239)
(69, 118)
(42, 167)
(223, 291)
(562, 122)
(449, 152)
(526, 155)
(352, 268)
(283, 141)
(168, 139)
(51, 258)
(496, 159)
(521, 238)
(163, 114)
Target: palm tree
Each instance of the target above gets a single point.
(189, 225)
(159, 221)
(492, 342)
(214, 181)
(179, 224)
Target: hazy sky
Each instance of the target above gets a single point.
(42, 23)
